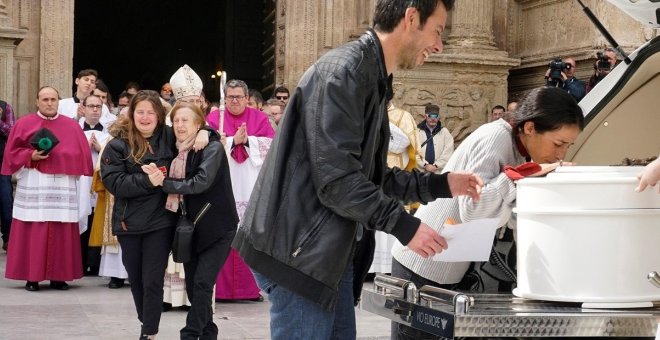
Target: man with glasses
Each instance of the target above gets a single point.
(96, 134)
(248, 137)
(569, 82)
(438, 144)
(281, 93)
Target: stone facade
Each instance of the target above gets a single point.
(540, 30)
(44, 51)
(495, 50)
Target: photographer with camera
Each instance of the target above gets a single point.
(605, 62)
(561, 74)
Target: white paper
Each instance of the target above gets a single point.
(470, 241)
(657, 333)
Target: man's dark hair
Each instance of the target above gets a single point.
(133, 85)
(87, 72)
(389, 13)
(280, 89)
(236, 83)
(256, 95)
(125, 94)
(431, 108)
(497, 107)
(102, 86)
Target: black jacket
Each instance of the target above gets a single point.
(207, 181)
(325, 177)
(139, 206)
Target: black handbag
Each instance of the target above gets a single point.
(183, 235)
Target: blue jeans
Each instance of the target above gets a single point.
(295, 317)
(6, 205)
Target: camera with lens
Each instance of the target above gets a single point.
(557, 66)
(602, 64)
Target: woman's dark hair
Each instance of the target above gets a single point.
(549, 108)
(389, 13)
(124, 128)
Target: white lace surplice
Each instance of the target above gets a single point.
(45, 197)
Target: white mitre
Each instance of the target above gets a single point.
(185, 82)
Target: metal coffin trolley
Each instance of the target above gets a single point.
(452, 314)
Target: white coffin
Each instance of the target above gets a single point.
(588, 256)
(584, 235)
(586, 187)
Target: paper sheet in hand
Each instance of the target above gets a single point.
(470, 241)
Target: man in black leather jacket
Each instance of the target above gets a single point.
(325, 187)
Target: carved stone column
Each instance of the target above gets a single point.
(313, 28)
(301, 45)
(467, 79)
(56, 45)
(4, 18)
(472, 25)
(9, 38)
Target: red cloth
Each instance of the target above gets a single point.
(72, 156)
(41, 251)
(256, 122)
(235, 280)
(521, 171)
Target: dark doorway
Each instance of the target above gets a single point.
(147, 41)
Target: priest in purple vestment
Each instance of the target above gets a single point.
(45, 237)
(249, 135)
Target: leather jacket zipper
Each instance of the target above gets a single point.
(311, 235)
(123, 216)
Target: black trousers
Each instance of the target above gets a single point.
(6, 204)
(145, 259)
(91, 256)
(201, 274)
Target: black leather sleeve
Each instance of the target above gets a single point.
(204, 174)
(116, 177)
(415, 186)
(340, 118)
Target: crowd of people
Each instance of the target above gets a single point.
(295, 196)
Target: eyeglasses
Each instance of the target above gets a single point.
(97, 107)
(282, 97)
(232, 98)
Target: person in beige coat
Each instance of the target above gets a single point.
(436, 143)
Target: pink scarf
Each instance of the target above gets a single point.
(178, 170)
